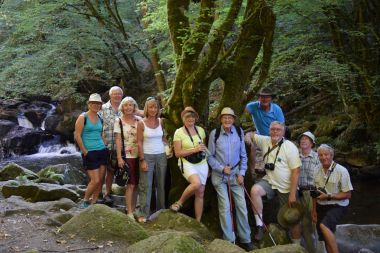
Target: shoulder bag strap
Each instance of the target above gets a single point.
(122, 138)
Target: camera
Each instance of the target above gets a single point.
(315, 193)
(269, 166)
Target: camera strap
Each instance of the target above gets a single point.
(273, 148)
(191, 138)
(330, 172)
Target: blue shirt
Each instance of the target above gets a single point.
(92, 135)
(263, 119)
(229, 149)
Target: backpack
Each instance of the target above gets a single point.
(217, 132)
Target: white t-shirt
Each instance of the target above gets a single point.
(287, 160)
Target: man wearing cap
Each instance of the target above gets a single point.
(282, 167)
(228, 160)
(263, 113)
(310, 165)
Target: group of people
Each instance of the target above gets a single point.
(118, 132)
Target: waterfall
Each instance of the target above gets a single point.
(49, 113)
(24, 122)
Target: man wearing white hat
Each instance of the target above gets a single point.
(310, 164)
(228, 160)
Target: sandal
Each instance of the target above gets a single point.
(141, 219)
(176, 206)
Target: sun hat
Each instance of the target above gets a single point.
(227, 111)
(308, 134)
(290, 216)
(266, 92)
(95, 97)
(187, 110)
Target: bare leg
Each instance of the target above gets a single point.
(195, 184)
(98, 190)
(330, 242)
(257, 192)
(198, 202)
(109, 181)
(93, 185)
(130, 201)
(295, 232)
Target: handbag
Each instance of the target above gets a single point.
(122, 174)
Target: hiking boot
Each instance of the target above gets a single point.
(84, 204)
(247, 246)
(108, 200)
(259, 233)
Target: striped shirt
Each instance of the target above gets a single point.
(109, 115)
(310, 165)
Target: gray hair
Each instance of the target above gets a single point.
(128, 100)
(326, 147)
(277, 123)
(113, 88)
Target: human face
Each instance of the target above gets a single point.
(276, 133)
(128, 108)
(265, 100)
(305, 143)
(325, 157)
(94, 106)
(227, 121)
(116, 96)
(152, 109)
(189, 119)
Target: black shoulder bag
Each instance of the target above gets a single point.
(122, 174)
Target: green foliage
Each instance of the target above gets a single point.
(52, 175)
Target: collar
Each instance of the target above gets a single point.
(222, 131)
(270, 107)
(311, 154)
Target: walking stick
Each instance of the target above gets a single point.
(253, 207)
(230, 199)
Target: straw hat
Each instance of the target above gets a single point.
(95, 97)
(227, 111)
(308, 134)
(290, 216)
(266, 92)
(189, 109)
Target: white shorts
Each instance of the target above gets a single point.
(200, 169)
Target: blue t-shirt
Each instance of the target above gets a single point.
(263, 119)
(92, 135)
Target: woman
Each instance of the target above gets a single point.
(88, 135)
(189, 147)
(150, 138)
(129, 121)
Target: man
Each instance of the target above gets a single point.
(282, 166)
(263, 113)
(310, 165)
(109, 112)
(228, 160)
(332, 197)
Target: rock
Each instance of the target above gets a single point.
(371, 172)
(20, 140)
(38, 192)
(35, 111)
(167, 242)
(12, 170)
(5, 127)
(101, 222)
(291, 248)
(218, 245)
(278, 234)
(168, 220)
(59, 219)
(117, 190)
(352, 238)
(51, 122)
(70, 175)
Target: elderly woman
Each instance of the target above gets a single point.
(152, 156)
(189, 147)
(88, 135)
(331, 197)
(127, 135)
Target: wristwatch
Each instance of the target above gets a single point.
(329, 197)
(142, 159)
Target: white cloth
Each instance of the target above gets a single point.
(287, 160)
(200, 168)
(153, 143)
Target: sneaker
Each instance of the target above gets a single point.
(247, 246)
(108, 200)
(84, 204)
(259, 233)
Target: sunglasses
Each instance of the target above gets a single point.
(151, 98)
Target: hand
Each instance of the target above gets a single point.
(227, 170)
(248, 138)
(143, 166)
(240, 179)
(85, 153)
(120, 162)
(292, 199)
(322, 196)
(201, 147)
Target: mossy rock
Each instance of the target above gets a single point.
(224, 246)
(69, 174)
(167, 242)
(291, 248)
(169, 220)
(278, 234)
(13, 170)
(101, 222)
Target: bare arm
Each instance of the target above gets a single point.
(140, 143)
(295, 173)
(79, 124)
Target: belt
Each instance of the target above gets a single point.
(306, 188)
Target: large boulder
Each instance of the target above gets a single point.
(291, 248)
(277, 234)
(218, 245)
(38, 192)
(5, 127)
(20, 140)
(167, 242)
(169, 220)
(70, 174)
(353, 238)
(12, 170)
(101, 222)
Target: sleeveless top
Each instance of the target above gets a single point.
(92, 134)
(153, 143)
(130, 137)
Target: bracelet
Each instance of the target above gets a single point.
(142, 159)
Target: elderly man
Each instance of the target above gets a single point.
(109, 112)
(263, 113)
(310, 165)
(228, 160)
(332, 197)
(282, 166)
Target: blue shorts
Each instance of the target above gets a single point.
(94, 159)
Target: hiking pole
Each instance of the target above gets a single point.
(253, 207)
(230, 199)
